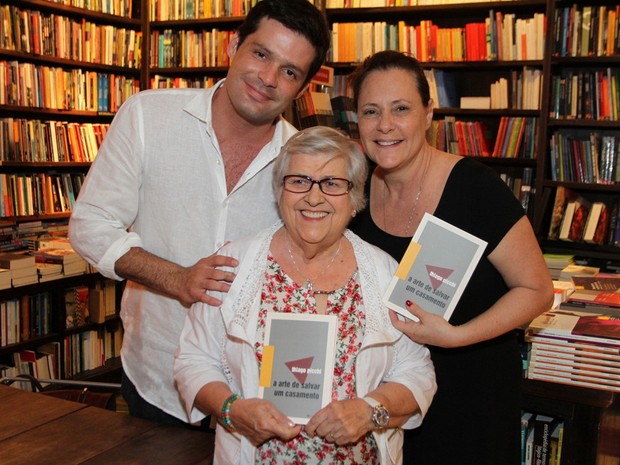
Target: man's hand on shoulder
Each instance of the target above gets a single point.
(206, 275)
(186, 284)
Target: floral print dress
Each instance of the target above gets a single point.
(281, 294)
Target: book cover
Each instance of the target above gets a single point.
(298, 363)
(435, 268)
(567, 221)
(611, 299)
(76, 306)
(543, 425)
(582, 208)
(16, 261)
(598, 282)
(592, 221)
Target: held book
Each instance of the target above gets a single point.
(298, 363)
(435, 269)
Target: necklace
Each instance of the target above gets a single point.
(415, 203)
(309, 283)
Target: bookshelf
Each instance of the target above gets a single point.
(65, 68)
(421, 30)
(590, 416)
(578, 109)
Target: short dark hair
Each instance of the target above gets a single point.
(384, 61)
(299, 16)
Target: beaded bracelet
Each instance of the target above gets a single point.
(226, 412)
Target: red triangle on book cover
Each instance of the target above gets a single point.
(300, 368)
(437, 275)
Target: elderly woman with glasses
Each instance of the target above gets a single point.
(309, 263)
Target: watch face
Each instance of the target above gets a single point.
(380, 416)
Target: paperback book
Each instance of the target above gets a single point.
(576, 325)
(298, 363)
(435, 269)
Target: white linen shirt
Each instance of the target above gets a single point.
(219, 345)
(158, 182)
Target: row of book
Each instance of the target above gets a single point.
(158, 81)
(586, 31)
(168, 10)
(81, 351)
(41, 363)
(389, 3)
(30, 85)
(577, 219)
(345, 115)
(460, 137)
(38, 193)
(189, 49)
(85, 304)
(541, 439)
(314, 109)
(584, 156)
(27, 235)
(585, 95)
(30, 316)
(24, 318)
(87, 350)
(21, 268)
(521, 185)
(32, 32)
(521, 91)
(516, 137)
(31, 140)
(500, 37)
(116, 7)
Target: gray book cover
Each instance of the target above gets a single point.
(298, 363)
(435, 269)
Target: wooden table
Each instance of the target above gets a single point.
(39, 429)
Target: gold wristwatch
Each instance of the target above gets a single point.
(380, 415)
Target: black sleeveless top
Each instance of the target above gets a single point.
(475, 416)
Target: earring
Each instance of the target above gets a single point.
(354, 213)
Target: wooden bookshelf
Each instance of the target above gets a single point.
(55, 77)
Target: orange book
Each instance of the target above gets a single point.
(501, 135)
(612, 25)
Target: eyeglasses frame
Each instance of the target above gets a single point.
(313, 182)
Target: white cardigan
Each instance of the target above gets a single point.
(219, 345)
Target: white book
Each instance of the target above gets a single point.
(298, 363)
(435, 269)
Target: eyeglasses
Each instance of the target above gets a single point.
(330, 186)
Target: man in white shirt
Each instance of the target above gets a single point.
(182, 171)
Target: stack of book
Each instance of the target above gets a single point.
(72, 264)
(49, 271)
(575, 348)
(557, 262)
(5, 278)
(22, 268)
(574, 270)
(599, 293)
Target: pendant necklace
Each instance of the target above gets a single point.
(309, 283)
(415, 203)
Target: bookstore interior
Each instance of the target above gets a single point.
(528, 87)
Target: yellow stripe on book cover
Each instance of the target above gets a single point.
(407, 261)
(266, 366)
